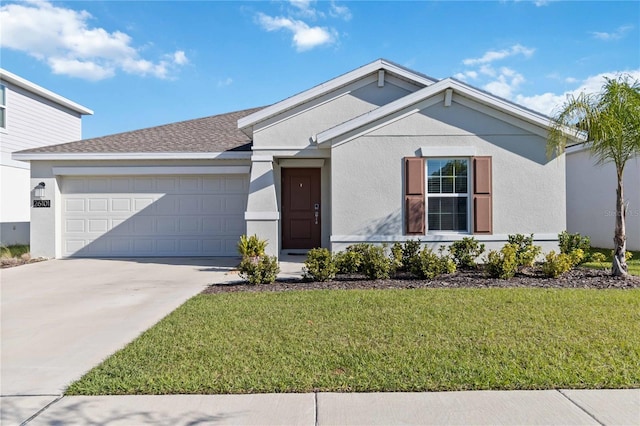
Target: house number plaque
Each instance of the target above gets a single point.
(41, 203)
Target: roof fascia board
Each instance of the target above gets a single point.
(329, 86)
(54, 156)
(41, 91)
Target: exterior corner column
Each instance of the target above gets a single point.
(263, 216)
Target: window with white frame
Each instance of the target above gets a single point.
(448, 194)
(3, 106)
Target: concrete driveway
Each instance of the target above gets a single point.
(60, 318)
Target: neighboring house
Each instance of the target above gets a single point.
(30, 117)
(380, 154)
(591, 198)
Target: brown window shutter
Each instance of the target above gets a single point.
(414, 195)
(482, 201)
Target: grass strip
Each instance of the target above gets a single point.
(382, 340)
(633, 263)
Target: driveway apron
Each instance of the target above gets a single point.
(60, 318)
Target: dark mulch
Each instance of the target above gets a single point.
(531, 278)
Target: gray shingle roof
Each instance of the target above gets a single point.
(217, 133)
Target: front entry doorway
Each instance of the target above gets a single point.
(301, 219)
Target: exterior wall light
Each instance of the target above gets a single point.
(39, 190)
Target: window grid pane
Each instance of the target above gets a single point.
(447, 188)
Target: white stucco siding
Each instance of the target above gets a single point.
(294, 128)
(528, 190)
(591, 199)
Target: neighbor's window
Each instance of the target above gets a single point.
(448, 195)
(3, 106)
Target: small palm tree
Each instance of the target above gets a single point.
(610, 123)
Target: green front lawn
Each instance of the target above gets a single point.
(382, 340)
(634, 263)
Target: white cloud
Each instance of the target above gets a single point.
(507, 82)
(304, 8)
(341, 12)
(495, 55)
(180, 58)
(304, 36)
(619, 33)
(64, 39)
(467, 75)
(547, 103)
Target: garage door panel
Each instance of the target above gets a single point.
(129, 216)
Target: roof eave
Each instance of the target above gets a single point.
(41, 91)
(98, 156)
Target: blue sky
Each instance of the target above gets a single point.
(139, 64)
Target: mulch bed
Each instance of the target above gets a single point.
(14, 261)
(530, 278)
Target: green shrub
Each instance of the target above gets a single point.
(466, 251)
(577, 256)
(396, 257)
(504, 263)
(598, 257)
(410, 249)
(376, 265)
(319, 265)
(526, 253)
(556, 264)
(570, 242)
(428, 265)
(347, 262)
(259, 269)
(251, 246)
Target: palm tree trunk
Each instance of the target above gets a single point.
(619, 267)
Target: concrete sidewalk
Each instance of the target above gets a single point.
(564, 407)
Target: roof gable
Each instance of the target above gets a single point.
(490, 104)
(247, 123)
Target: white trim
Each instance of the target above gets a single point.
(433, 238)
(41, 91)
(329, 86)
(38, 156)
(448, 151)
(150, 170)
(261, 158)
(294, 162)
(380, 78)
(414, 101)
(261, 215)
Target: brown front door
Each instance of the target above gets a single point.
(300, 208)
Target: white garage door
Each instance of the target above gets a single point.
(142, 216)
